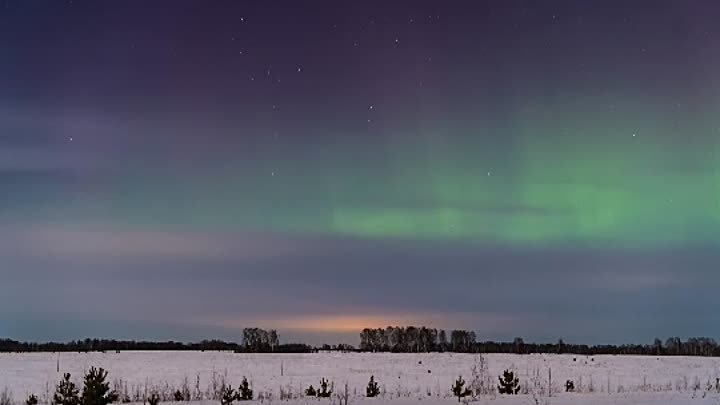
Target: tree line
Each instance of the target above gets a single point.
(413, 339)
(409, 339)
(254, 340)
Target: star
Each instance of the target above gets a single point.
(634, 134)
(371, 106)
(299, 69)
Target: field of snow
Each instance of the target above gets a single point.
(403, 378)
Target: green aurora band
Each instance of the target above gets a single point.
(549, 184)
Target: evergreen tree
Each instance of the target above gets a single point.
(66, 393)
(324, 392)
(228, 395)
(31, 400)
(96, 390)
(569, 386)
(311, 391)
(244, 391)
(153, 399)
(459, 389)
(372, 389)
(509, 384)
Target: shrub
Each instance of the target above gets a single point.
(569, 386)
(31, 400)
(244, 392)
(6, 397)
(228, 395)
(480, 382)
(311, 392)
(324, 392)
(178, 396)
(153, 399)
(509, 384)
(96, 390)
(66, 393)
(459, 389)
(372, 389)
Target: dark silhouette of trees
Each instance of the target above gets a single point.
(462, 341)
(324, 391)
(96, 391)
(442, 341)
(244, 392)
(260, 341)
(31, 400)
(569, 386)
(228, 395)
(256, 340)
(153, 399)
(66, 393)
(390, 339)
(459, 390)
(409, 339)
(509, 383)
(372, 389)
(422, 339)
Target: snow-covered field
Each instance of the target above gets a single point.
(403, 378)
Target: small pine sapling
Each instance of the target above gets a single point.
(509, 384)
(153, 399)
(459, 390)
(96, 390)
(372, 389)
(569, 386)
(228, 395)
(311, 392)
(66, 393)
(6, 397)
(31, 400)
(244, 392)
(324, 392)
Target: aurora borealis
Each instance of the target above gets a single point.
(329, 164)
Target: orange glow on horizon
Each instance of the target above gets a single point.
(356, 323)
(338, 323)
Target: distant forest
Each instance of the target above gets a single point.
(408, 339)
(422, 339)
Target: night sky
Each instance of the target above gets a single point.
(182, 169)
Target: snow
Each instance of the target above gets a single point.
(403, 378)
